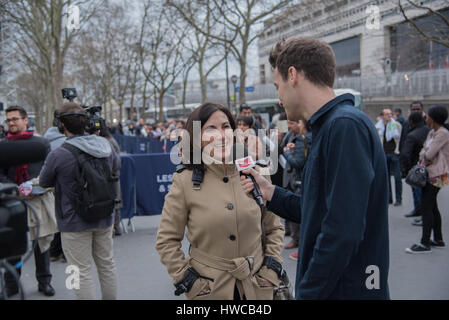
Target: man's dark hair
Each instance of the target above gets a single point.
(398, 110)
(315, 58)
(247, 120)
(438, 114)
(21, 110)
(244, 106)
(416, 102)
(75, 124)
(415, 118)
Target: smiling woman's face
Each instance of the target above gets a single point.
(217, 136)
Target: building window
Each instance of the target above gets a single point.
(347, 55)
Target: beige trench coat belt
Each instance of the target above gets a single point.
(242, 268)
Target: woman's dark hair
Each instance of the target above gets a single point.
(247, 120)
(438, 114)
(202, 114)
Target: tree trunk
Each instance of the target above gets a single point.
(161, 106)
(242, 93)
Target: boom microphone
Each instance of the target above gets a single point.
(21, 152)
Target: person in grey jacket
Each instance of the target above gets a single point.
(53, 135)
(81, 240)
(104, 132)
(56, 139)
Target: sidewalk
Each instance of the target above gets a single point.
(142, 276)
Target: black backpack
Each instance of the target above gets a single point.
(94, 187)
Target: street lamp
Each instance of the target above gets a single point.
(234, 82)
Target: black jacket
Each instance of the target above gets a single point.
(342, 208)
(412, 145)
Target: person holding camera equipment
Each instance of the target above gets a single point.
(56, 139)
(17, 120)
(105, 133)
(227, 259)
(81, 172)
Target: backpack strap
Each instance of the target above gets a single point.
(73, 150)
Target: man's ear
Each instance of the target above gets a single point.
(293, 75)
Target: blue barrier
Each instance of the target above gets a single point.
(147, 179)
(128, 186)
(142, 145)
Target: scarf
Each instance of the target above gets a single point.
(21, 172)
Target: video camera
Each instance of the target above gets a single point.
(13, 213)
(94, 120)
(13, 223)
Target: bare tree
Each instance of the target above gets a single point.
(161, 57)
(240, 19)
(438, 33)
(43, 41)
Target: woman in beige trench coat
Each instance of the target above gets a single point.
(223, 224)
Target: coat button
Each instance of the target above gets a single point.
(230, 206)
(225, 179)
(232, 237)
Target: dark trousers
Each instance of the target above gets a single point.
(431, 216)
(394, 169)
(42, 261)
(56, 246)
(416, 197)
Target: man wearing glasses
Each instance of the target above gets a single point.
(17, 121)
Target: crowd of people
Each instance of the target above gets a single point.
(332, 188)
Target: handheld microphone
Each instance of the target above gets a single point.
(247, 163)
(21, 152)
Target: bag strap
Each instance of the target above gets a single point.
(73, 150)
(306, 145)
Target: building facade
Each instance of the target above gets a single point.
(377, 52)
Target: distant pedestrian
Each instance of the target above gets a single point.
(435, 157)
(389, 133)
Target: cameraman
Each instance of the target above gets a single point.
(81, 240)
(17, 120)
(105, 133)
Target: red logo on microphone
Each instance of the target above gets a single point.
(244, 163)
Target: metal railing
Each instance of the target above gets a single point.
(398, 84)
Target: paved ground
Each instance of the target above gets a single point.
(142, 276)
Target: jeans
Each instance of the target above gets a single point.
(431, 216)
(79, 249)
(394, 169)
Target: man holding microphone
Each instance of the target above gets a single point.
(343, 205)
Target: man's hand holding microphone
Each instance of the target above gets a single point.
(265, 187)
